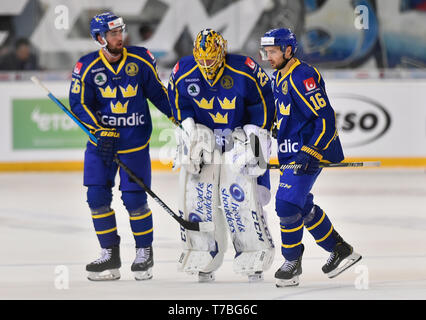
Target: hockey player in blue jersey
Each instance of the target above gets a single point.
(306, 135)
(225, 106)
(109, 92)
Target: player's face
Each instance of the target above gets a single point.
(274, 55)
(115, 40)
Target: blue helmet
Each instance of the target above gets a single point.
(280, 37)
(104, 22)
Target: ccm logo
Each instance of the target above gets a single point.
(360, 120)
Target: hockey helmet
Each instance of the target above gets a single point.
(209, 52)
(102, 23)
(282, 37)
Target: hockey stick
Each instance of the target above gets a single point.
(189, 225)
(327, 165)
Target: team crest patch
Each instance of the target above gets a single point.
(100, 78)
(193, 89)
(132, 69)
(285, 87)
(227, 82)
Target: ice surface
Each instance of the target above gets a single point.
(47, 238)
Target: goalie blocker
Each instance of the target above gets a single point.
(233, 201)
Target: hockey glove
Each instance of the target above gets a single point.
(309, 158)
(107, 145)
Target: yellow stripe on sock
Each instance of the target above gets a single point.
(106, 231)
(142, 233)
(294, 229)
(141, 217)
(326, 236)
(287, 246)
(318, 223)
(103, 215)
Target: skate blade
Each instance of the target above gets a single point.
(107, 275)
(347, 263)
(293, 282)
(257, 277)
(143, 275)
(206, 277)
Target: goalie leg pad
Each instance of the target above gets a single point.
(246, 222)
(202, 251)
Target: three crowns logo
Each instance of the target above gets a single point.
(204, 104)
(284, 110)
(226, 104)
(129, 91)
(108, 92)
(218, 118)
(118, 107)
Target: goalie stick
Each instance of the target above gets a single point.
(326, 165)
(189, 225)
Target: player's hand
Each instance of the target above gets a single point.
(310, 159)
(107, 145)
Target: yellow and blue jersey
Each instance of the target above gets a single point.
(304, 114)
(240, 95)
(115, 95)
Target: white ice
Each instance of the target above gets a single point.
(47, 238)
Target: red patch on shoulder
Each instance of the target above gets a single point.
(310, 84)
(77, 67)
(176, 68)
(250, 63)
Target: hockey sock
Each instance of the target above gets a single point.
(291, 224)
(105, 227)
(321, 228)
(142, 226)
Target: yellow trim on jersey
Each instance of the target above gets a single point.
(152, 68)
(108, 65)
(103, 215)
(107, 231)
(328, 144)
(141, 217)
(319, 75)
(177, 92)
(297, 63)
(82, 91)
(142, 233)
(294, 229)
(135, 149)
(258, 89)
(326, 236)
(322, 133)
(127, 150)
(301, 96)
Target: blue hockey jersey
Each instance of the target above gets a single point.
(304, 114)
(115, 95)
(240, 95)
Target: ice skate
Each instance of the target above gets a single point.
(142, 266)
(106, 267)
(340, 259)
(288, 274)
(206, 276)
(255, 277)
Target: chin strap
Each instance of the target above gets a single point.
(105, 47)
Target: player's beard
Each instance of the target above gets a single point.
(115, 51)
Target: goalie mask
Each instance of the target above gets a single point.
(209, 53)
